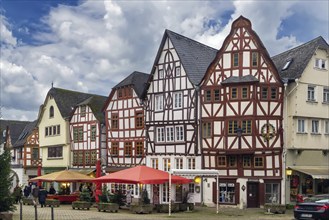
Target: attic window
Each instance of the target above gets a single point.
(286, 65)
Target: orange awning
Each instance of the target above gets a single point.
(63, 176)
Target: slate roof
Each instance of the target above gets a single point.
(194, 56)
(15, 128)
(137, 80)
(238, 79)
(96, 103)
(66, 100)
(300, 57)
(27, 131)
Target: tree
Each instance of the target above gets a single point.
(6, 198)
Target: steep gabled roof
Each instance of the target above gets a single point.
(66, 100)
(194, 56)
(25, 134)
(137, 80)
(15, 129)
(96, 103)
(299, 57)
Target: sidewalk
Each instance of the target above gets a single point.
(204, 213)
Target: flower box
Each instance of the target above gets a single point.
(141, 209)
(27, 201)
(112, 207)
(81, 205)
(165, 207)
(52, 202)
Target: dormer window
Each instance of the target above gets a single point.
(286, 66)
(51, 112)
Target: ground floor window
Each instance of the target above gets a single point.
(272, 192)
(227, 192)
(165, 193)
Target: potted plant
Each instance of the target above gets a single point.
(144, 206)
(6, 198)
(106, 202)
(84, 200)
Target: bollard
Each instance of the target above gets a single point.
(52, 212)
(35, 211)
(20, 210)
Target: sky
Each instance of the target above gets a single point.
(90, 46)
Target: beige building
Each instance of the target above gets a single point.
(306, 118)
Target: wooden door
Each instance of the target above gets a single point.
(252, 195)
(155, 194)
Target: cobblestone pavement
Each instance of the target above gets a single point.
(204, 213)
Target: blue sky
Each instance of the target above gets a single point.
(90, 46)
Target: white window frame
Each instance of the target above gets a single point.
(326, 127)
(155, 163)
(320, 63)
(179, 163)
(311, 93)
(166, 164)
(170, 133)
(165, 193)
(315, 127)
(158, 99)
(178, 100)
(179, 133)
(191, 163)
(177, 71)
(301, 126)
(160, 134)
(326, 94)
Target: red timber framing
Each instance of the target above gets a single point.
(241, 108)
(32, 151)
(124, 120)
(85, 134)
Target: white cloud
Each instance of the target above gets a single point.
(5, 32)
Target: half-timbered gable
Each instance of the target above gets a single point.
(124, 119)
(87, 132)
(241, 108)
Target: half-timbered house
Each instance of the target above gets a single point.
(241, 113)
(87, 134)
(172, 109)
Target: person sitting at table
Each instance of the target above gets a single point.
(52, 190)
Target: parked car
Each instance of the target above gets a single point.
(315, 207)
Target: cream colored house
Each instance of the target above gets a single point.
(53, 124)
(306, 118)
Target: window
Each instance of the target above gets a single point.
(114, 121)
(160, 74)
(264, 93)
(246, 127)
(93, 133)
(165, 192)
(286, 65)
(191, 187)
(234, 93)
(52, 130)
(35, 153)
(83, 110)
(254, 59)
(80, 157)
(212, 95)
(216, 95)
(258, 162)
(191, 163)
(155, 163)
(235, 59)
(55, 152)
(326, 95)
(139, 119)
(315, 126)
(77, 134)
(177, 70)
(326, 127)
(311, 93)
(120, 93)
(207, 96)
(87, 157)
(301, 126)
(160, 134)
(51, 112)
(206, 130)
(179, 133)
(226, 192)
(246, 161)
(178, 99)
(114, 148)
(232, 161)
(46, 131)
(166, 164)
(93, 157)
(245, 93)
(232, 127)
(321, 63)
(139, 148)
(128, 149)
(75, 157)
(170, 134)
(179, 163)
(158, 102)
(273, 93)
(272, 194)
(58, 129)
(221, 161)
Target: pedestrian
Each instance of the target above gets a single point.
(26, 192)
(52, 190)
(17, 193)
(35, 194)
(42, 196)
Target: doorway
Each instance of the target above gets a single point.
(252, 194)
